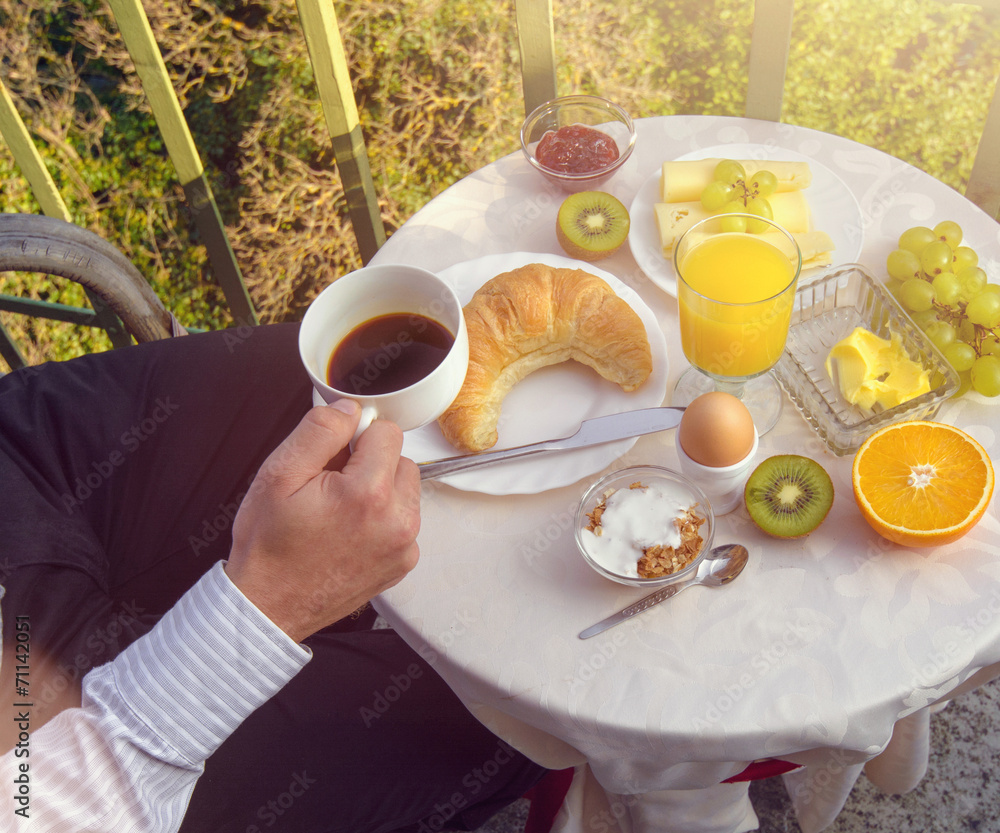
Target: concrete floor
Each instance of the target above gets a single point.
(960, 793)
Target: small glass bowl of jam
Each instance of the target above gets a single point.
(577, 141)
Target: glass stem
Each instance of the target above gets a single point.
(734, 388)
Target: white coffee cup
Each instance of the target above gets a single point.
(369, 293)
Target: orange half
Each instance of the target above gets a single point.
(921, 484)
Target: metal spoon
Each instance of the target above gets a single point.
(720, 567)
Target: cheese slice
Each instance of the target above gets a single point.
(791, 211)
(816, 246)
(683, 181)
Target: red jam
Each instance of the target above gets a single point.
(576, 149)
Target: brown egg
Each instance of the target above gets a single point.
(716, 430)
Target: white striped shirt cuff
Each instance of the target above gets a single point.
(204, 668)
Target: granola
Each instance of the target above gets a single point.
(660, 560)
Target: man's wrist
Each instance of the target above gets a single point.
(283, 609)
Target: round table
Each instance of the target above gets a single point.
(813, 655)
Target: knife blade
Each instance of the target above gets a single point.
(602, 429)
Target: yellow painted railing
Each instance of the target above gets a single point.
(769, 49)
(326, 53)
(152, 71)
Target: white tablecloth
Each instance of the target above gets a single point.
(812, 655)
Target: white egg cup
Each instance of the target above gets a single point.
(722, 484)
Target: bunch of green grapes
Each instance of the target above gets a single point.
(941, 284)
(730, 191)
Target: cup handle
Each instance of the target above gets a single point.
(368, 416)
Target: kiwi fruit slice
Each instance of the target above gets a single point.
(591, 225)
(788, 496)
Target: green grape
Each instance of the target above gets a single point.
(733, 223)
(917, 295)
(964, 383)
(916, 238)
(990, 347)
(894, 286)
(972, 280)
(903, 264)
(941, 333)
(729, 171)
(984, 310)
(936, 258)
(960, 355)
(966, 331)
(761, 208)
(716, 195)
(924, 318)
(964, 256)
(992, 288)
(949, 232)
(986, 375)
(946, 288)
(763, 183)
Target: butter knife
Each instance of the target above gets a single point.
(603, 429)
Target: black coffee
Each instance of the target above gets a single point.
(388, 353)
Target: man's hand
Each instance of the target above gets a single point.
(311, 545)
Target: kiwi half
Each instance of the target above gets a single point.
(591, 225)
(788, 496)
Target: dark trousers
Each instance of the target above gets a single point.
(120, 474)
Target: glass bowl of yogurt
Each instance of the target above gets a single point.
(645, 526)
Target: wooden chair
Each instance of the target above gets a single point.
(31, 243)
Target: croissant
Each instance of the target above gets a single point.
(532, 317)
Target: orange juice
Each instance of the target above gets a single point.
(735, 302)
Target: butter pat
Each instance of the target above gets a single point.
(872, 371)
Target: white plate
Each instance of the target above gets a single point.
(551, 402)
(834, 210)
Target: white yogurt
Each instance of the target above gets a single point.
(634, 519)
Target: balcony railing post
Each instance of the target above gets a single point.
(984, 178)
(9, 352)
(340, 110)
(536, 38)
(770, 44)
(43, 188)
(138, 36)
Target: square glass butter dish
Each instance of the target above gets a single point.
(828, 310)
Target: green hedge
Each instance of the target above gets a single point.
(438, 85)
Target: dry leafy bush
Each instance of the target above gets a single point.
(439, 91)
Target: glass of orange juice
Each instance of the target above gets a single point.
(736, 280)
